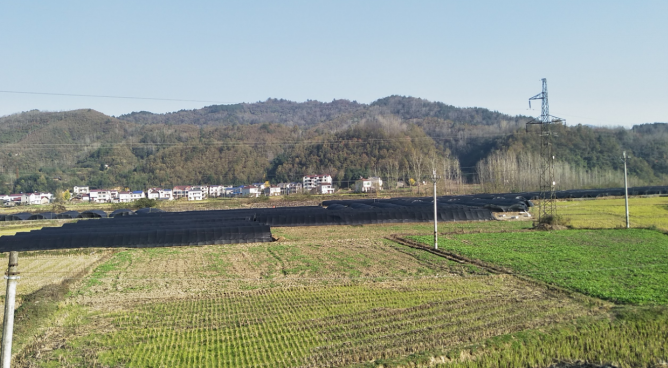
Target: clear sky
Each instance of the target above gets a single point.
(606, 62)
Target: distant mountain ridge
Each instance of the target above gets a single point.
(310, 113)
(281, 140)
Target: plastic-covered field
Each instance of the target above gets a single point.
(503, 202)
(219, 227)
(139, 232)
(157, 229)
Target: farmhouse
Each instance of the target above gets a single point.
(272, 191)
(311, 182)
(124, 197)
(159, 194)
(153, 193)
(35, 198)
(290, 188)
(12, 199)
(202, 188)
(216, 191)
(81, 190)
(101, 195)
(195, 194)
(165, 194)
(180, 191)
(137, 194)
(372, 184)
(250, 191)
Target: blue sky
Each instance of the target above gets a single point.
(606, 61)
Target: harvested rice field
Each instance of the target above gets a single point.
(39, 269)
(333, 296)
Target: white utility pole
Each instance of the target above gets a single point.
(626, 193)
(435, 215)
(10, 302)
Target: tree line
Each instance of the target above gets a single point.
(397, 138)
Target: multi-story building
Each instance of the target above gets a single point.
(272, 191)
(35, 198)
(80, 190)
(195, 194)
(101, 195)
(202, 188)
(159, 194)
(237, 191)
(124, 197)
(311, 182)
(372, 184)
(324, 189)
(216, 191)
(165, 195)
(153, 193)
(290, 188)
(251, 191)
(180, 191)
(137, 194)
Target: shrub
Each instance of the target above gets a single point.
(555, 220)
(144, 202)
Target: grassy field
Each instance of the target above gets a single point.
(623, 266)
(610, 213)
(43, 275)
(13, 227)
(343, 296)
(322, 296)
(633, 338)
(315, 326)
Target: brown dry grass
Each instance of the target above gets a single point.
(41, 269)
(318, 280)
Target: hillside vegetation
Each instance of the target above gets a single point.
(278, 140)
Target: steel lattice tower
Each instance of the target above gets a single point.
(547, 182)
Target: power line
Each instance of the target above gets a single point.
(118, 97)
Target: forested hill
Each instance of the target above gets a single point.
(280, 140)
(468, 132)
(311, 113)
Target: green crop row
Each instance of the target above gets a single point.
(623, 266)
(316, 326)
(636, 338)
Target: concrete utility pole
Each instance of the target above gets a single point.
(435, 215)
(10, 299)
(626, 193)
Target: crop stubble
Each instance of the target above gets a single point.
(327, 296)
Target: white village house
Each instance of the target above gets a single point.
(12, 199)
(372, 184)
(272, 191)
(311, 182)
(290, 188)
(195, 194)
(100, 195)
(80, 190)
(250, 191)
(35, 198)
(159, 194)
(180, 191)
(124, 197)
(216, 191)
(137, 194)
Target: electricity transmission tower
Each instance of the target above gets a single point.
(546, 178)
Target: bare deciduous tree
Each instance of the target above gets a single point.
(417, 166)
